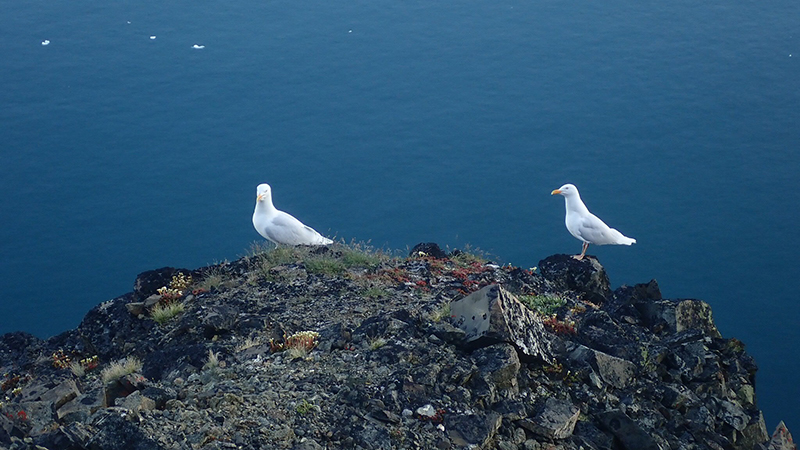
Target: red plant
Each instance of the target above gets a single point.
(559, 327)
(22, 415)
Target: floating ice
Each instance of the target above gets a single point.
(198, 46)
(45, 42)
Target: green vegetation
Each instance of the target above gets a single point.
(215, 277)
(375, 292)
(442, 313)
(545, 305)
(163, 312)
(304, 407)
(377, 343)
(469, 256)
(335, 259)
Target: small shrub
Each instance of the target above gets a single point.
(77, 369)
(545, 305)
(304, 407)
(377, 343)
(163, 312)
(441, 313)
(120, 368)
(376, 292)
(212, 361)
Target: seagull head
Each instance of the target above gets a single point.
(566, 190)
(263, 191)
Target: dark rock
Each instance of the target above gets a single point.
(70, 437)
(627, 432)
(556, 419)
(217, 320)
(149, 282)
(612, 370)
(493, 315)
(586, 276)
(81, 407)
(18, 349)
(111, 431)
(472, 429)
(428, 249)
(499, 364)
(122, 387)
(334, 337)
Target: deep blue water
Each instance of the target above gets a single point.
(402, 122)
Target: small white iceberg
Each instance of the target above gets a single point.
(45, 42)
(198, 46)
(152, 37)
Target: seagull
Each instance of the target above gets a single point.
(280, 227)
(586, 226)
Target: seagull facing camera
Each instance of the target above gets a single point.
(586, 226)
(280, 227)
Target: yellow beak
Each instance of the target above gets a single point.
(557, 191)
(260, 197)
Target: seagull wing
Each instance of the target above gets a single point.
(286, 229)
(594, 231)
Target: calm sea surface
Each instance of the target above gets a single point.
(401, 122)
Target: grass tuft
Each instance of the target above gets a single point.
(163, 312)
(120, 368)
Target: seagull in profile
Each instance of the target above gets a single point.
(280, 227)
(586, 226)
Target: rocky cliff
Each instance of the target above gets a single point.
(346, 347)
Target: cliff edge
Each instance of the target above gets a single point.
(346, 347)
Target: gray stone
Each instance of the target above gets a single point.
(136, 402)
(614, 371)
(493, 315)
(81, 407)
(472, 429)
(630, 434)
(733, 415)
(58, 395)
(753, 434)
(499, 363)
(555, 420)
(676, 316)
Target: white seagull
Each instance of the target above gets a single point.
(586, 226)
(280, 227)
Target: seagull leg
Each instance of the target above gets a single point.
(583, 252)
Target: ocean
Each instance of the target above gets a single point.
(136, 137)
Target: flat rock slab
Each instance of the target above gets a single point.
(555, 420)
(492, 315)
(467, 430)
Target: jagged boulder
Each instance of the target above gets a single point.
(492, 314)
(586, 276)
(781, 440)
